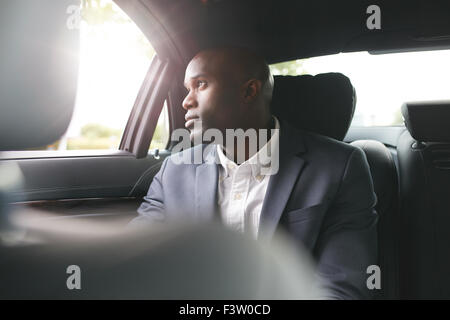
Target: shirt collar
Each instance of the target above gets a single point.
(262, 158)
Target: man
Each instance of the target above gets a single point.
(317, 189)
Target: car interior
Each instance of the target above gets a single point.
(409, 163)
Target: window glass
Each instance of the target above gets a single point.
(161, 134)
(114, 59)
(382, 82)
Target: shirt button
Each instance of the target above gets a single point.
(230, 166)
(259, 178)
(237, 196)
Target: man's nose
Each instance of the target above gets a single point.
(189, 102)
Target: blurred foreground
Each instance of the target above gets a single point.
(162, 262)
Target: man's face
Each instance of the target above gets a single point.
(213, 99)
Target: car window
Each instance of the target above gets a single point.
(161, 134)
(382, 82)
(114, 59)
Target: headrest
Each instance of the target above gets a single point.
(39, 64)
(323, 104)
(428, 121)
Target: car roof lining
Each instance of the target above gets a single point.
(284, 30)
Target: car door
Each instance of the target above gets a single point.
(80, 176)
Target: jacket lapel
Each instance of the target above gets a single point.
(281, 184)
(206, 177)
(278, 190)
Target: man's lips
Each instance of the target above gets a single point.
(190, 122)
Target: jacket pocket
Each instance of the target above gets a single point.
(298, 215)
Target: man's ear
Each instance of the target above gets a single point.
(252, 88)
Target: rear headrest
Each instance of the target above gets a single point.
(428, 121)
(323, 104)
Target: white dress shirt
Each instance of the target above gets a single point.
(242, 188)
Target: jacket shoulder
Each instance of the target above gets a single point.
(326, 146)
(196, 155)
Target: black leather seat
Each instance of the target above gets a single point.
(424, 163)
(385, 182)
(325, 104)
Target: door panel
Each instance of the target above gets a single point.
(84, 177)
(112, 212)
(105, 189)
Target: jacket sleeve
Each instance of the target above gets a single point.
(152, 211)
(347, 243)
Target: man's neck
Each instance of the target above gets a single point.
(268, 126)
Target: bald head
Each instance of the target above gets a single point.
(228, 88)
(240, 65)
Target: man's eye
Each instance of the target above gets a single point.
(201, 83)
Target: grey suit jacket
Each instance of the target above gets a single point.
(322, 196)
